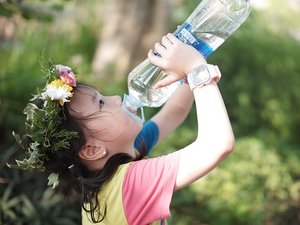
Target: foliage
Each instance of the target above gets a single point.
(257, 184)
(43, 11)
(20, 72)
(25, 199)
(266, 80)
(251, 187)
(43, 122)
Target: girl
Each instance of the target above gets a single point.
(98, 140)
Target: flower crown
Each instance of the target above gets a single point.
(43, 123)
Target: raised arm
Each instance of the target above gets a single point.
(215, 138)
(174, 111)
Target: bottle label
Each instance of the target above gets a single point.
(185, 34)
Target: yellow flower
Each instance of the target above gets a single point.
(58, 90)
(59, 83)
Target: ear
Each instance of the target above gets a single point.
(92, 152)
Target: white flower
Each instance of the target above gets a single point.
(60, 93)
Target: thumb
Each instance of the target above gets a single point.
(166, 81)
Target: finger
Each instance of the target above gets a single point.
(155, 59)
(166, 42)
(160, 49)
(166, 81)
(173, 38)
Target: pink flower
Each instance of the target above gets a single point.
(66, 75)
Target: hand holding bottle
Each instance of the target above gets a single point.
(175, 57)
(208, 26)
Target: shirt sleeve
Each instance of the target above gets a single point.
(148, 189)
(147, 137)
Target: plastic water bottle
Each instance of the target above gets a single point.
(209, 25)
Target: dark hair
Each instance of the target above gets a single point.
(69, 167)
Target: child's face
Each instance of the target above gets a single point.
(107, 121)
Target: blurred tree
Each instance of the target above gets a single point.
(27, 9)
(12, 10)
(130, 28)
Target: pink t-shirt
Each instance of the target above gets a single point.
(148, 188)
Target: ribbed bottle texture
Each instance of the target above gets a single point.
(208, 26)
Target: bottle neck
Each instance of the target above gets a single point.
(133, 108)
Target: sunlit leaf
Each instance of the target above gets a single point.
(53, 180)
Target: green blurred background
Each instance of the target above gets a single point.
(258, 184)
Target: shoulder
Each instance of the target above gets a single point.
(148, 187)
(155, 164)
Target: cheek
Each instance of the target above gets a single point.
(116, 126)
(105, 127)
(128, 133)
(109, 130)
(128, 127)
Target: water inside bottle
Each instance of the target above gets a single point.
(210, 24)
(219, 17)
(144, 78)
(143, 89)
(213, 40)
